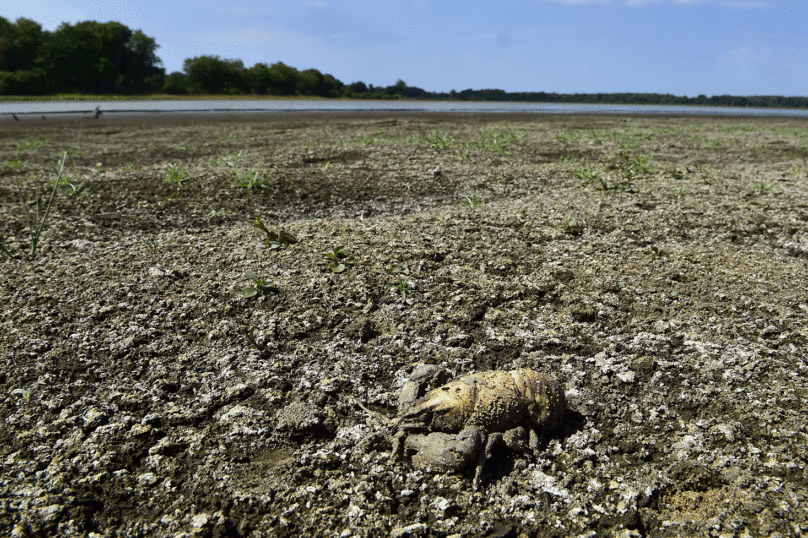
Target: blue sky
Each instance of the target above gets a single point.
(683, 47)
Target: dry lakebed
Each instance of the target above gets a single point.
(222, 310)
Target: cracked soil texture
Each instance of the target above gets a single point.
(654, 266)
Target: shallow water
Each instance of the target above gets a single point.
(293, 105)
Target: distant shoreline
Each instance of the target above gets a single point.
(158, 97)
(77, 108)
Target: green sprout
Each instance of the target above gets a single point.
(250, 180)
(214, 214)
(36, 224)
(227, 159)
(655, 253)
(497, 142)
(402, 275)
(587, 175)
(472, 201)
(438, 140)
(176, 175)
(761, 187)
(261, 287)
(680, 191)
(15, 162)
(274, 240)
(571, 225)
(339, 261)
(703, 170)
(250, 335)
(24, 394)
(32, 144)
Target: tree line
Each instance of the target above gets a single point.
(109, 58)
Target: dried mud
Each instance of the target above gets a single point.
(670, 303)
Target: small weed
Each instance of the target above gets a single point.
(168, 199)
(35, 224)
(32, 144)
(760, 187)
(438, 140)
(597, 134)
(675, 173)
(274, 240)
(655, 253)
(587, 175)
(402, 275)
(496, 142)
(747, 128)
(15, 162)
(128, 166)
(250, 180)
(228, 159)
(229, 136)
(370, 140)
(571, 225)
(627, 142)
(464, 153)
(217, 215)
(680, 191)
(103, 151)
(24, 394)
(68, 186)
(703, 170)
(176, 175)
(68, 183)
(629, 167)
(250, 335)
(326, 165)
(804, 155)
(472, 201)
(566, 137)
(339, 261)
(260, 287)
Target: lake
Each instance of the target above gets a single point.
(293, 105)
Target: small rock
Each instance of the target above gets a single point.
(417, 529)
(199, 521)
(81, 244)
(94, 417)
(147, 479)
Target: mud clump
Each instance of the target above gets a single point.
(655, 268)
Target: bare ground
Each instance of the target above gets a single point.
(655, 266)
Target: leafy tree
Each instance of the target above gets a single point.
(19, 43)
(308, 82)
(283, 79)
(99, 57)
(357, 88)
(175, 84)
(211, 74)
(259, 78)
(142, 71)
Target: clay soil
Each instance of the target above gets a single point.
(654, 266)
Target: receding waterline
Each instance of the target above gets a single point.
(281, 105)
